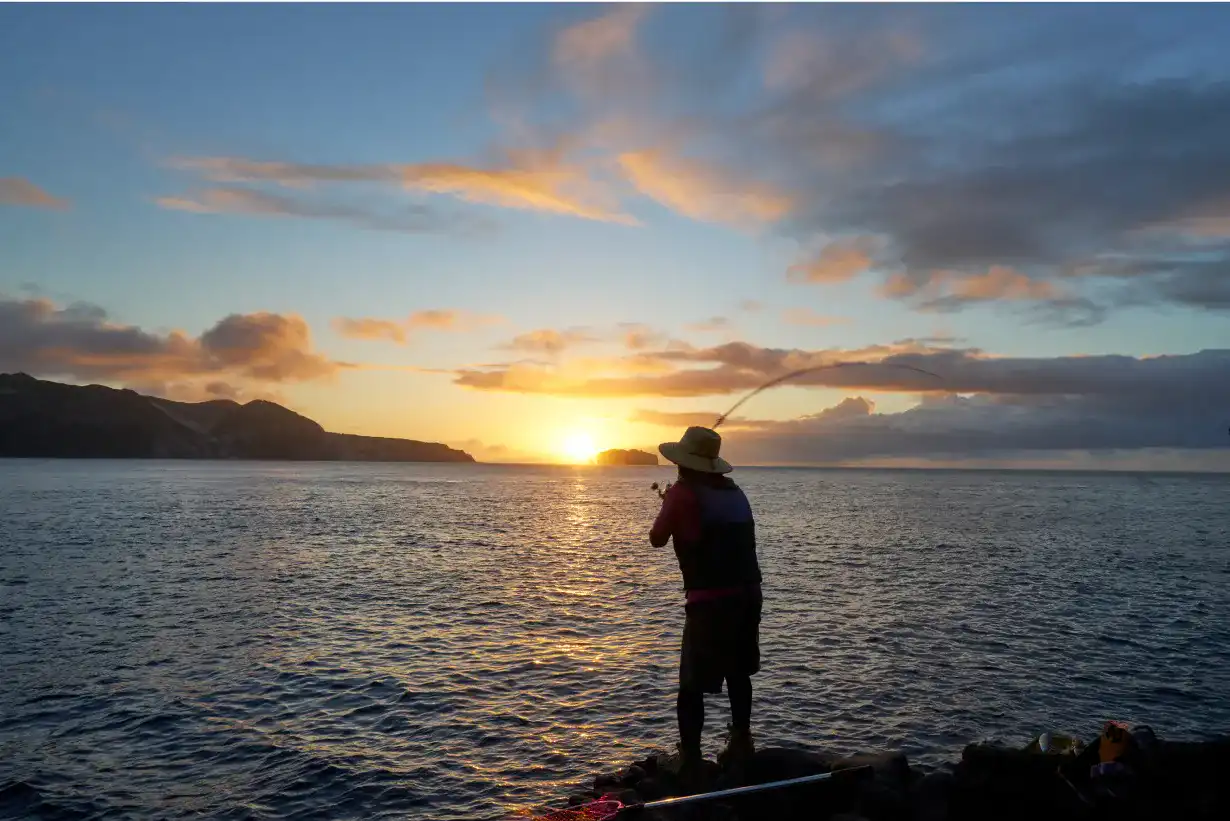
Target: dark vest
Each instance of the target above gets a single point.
(725, 556)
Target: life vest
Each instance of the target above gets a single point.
(725, 554)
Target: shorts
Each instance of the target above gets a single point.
(721, 639)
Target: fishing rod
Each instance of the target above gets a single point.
(610, 808)
(787, 376)
(777, 380)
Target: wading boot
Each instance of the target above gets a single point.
(739, 749)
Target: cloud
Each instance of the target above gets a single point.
(549, 340)
(533, 180)
(1009, 428)
(940, 142)
(686, 419)
(731, 367)
(411, 219)
(751, 306)
(80, 342)
(806, 316)
(25, 194)
(701, 191)
(837, 261)
(401, 330)
(600, 39)
(710, 325)
(1192, 379)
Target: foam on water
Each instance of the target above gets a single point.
(453, 642)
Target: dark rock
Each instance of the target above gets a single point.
(577, 799)
(882, 794)
(606, 780)
(929, 796)
(633, 775)
(629, 797)
(650, 789)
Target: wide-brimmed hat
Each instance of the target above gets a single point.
(697, 449)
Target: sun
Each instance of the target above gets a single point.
(578, 447)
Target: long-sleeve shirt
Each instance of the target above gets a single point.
(680, 518)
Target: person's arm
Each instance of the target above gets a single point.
(675, 517)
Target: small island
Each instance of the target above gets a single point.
(616, 456)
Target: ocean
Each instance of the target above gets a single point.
(288, 640)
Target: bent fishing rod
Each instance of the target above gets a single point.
(777, 380)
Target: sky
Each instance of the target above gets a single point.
(531, 231)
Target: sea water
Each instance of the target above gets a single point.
(279, 640)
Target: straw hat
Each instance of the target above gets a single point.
(697, 449)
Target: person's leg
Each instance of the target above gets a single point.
(739, 689)
(745, 661)
(690, 709)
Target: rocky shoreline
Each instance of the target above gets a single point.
(1161, 780)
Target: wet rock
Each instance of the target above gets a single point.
(929, 796)
(629, 797)
(882, 794)
(1186, 781)
(633, 775)
(650, 789)
(577, 799)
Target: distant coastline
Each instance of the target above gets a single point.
(44, 419)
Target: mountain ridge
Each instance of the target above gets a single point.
(43, 418)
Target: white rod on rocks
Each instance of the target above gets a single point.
(789, 782)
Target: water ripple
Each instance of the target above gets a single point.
(263, 641)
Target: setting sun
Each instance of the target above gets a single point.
(578, 447)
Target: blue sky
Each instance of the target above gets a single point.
(1010, 185)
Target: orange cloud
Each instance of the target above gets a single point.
(731, 367)
(549, 340)
(400, 330)
(369, 328)
(530, 180)
(79, 341)
(838, 261)
(1001, 282)
(702, 192)
(25, 194)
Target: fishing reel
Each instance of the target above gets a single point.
(661, 489)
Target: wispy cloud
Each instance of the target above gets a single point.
(701, 191)
(528, 180)
(550, 340)
(23, 193)
(711, 325)
(402, 330)
(408, 218)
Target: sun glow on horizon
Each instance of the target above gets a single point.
(577, 447)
